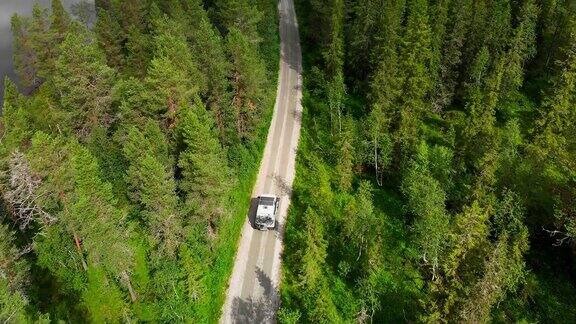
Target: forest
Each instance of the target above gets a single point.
(436, 175)
(128, 152)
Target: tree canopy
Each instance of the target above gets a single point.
(127, 163)
(438, 165)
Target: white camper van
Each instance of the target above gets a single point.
(266, 212)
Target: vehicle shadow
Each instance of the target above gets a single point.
(252, 212)
(260, 310)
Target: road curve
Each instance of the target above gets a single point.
(252, 295)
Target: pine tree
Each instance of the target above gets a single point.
(208, 50)
(15, 121)
(25, 57)
(41, 39)
(248, 77)
(91, 213)
(150, 140)
(552, 150)
(47, 32)
(333, 56)
(14, 277)
(315, 256)
(426, 200)
(205, 174)
(73, 249)
(452, 54)
(522, 48)
(60, 21)
(483, 119)
(85, 12)
(556, 19)
(469, 235)
(415, 73)
(439, 12)
(346, 157)
(157, 193)
(318, 299)
(132, 17)
(173, 77)
(558, 118)
(241, 15)
(110, 38)
(85, 84)
(103, 4)
(58, 250)
(361, 224)
(374, 27)
(499, 26)
(132, 14)
(385, 90)
(153, 187)
(504, 265)
(138, 52)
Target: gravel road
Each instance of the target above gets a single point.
(252, 296)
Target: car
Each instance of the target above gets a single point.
(266, 212)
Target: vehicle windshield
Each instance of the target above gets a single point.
(267, 201)
(264, 220)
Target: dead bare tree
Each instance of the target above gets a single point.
(22, 194)
(560, 236)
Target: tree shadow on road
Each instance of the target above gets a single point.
(261, 310)
(285, 188)
(293, 57)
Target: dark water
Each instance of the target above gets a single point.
(7, 9)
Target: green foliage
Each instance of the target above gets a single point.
(426, 200)
(13, 279)
(131, 134)
(60, 20)
(458, 112)
(241, 15)
(142, 135)
(153, 188)
(173, 78)
(208, 50)
(317, 297)
(84, 82)
(104, 299)
(14, 120)
(415, 68)
(110, 38)
(248, 78)
(346, 157)
(205, 175)
(41, 40)
(25, 59)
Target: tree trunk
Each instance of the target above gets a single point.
(79, 248)
(126, 280)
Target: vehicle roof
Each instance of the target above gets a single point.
(266, 206)
(268, 196)
(265, 211)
